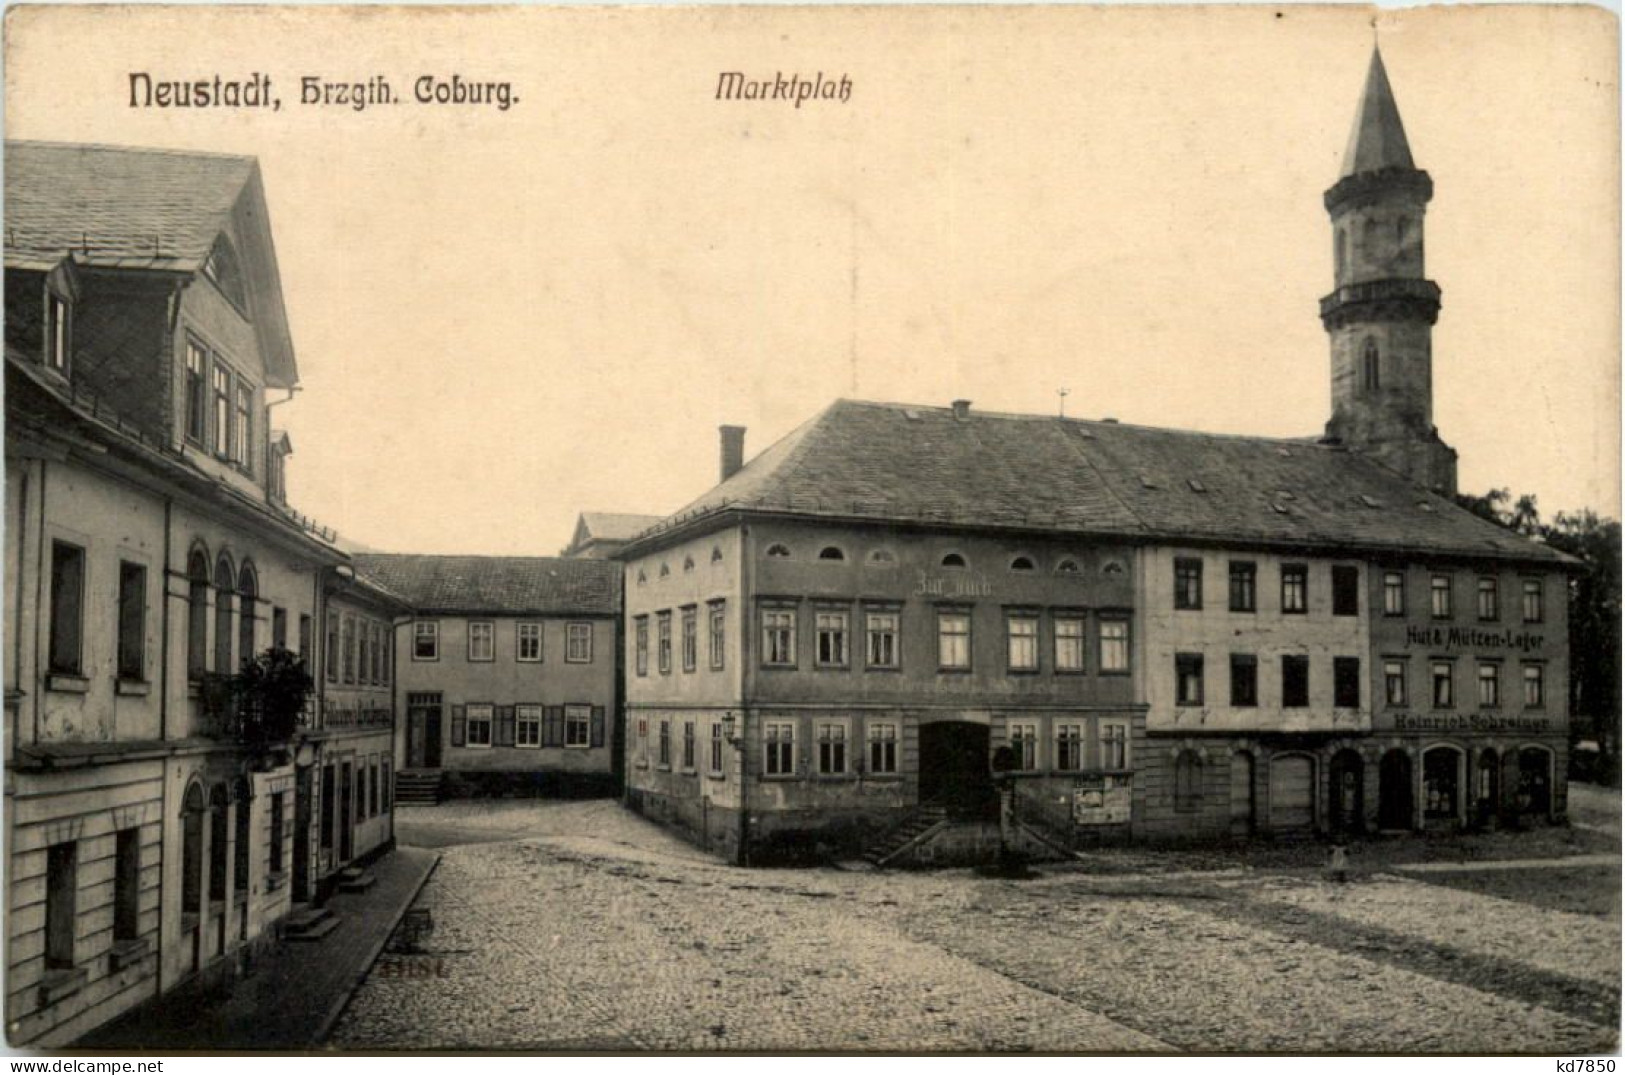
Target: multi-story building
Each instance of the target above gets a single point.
(1175, 634)
(506, 674)
(149, 555)
(599, 535)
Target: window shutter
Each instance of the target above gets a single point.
(459, 726)
(504, 734)
(553, 727)
(597, 725)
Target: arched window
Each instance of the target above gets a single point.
(688, 564)
(241, 793)
(192, 811)
(1341, 255)
(1370, 367)
(1067, 566)
(830, 552)
(665, 570)
(778, 552)
(1021, 563)
(1187, 782)
(716, 554)
(882, 558)
(218, 842)
(197, 614)
(247, 590)
(643, 576)
(225, 580)
(953, 559)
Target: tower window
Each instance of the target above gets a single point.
(1342, 252)
(1370, 368)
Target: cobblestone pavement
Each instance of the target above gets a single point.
(579, 926)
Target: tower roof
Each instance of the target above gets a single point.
(1378, 138)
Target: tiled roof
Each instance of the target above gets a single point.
(510, 585)
(895, 463)
(616, 526)
(117, 206)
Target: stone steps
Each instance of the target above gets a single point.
(916, 825)
(417, 787)
(355, 879)
(309, 924)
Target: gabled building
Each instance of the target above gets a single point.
(1166, 634)
(505, 671)
(600, 534)
(150, 818)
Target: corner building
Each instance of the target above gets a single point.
(1178, 635)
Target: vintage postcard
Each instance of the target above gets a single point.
(934, 529)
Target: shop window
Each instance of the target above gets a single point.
(1440, 783)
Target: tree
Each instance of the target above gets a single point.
(1594, 608)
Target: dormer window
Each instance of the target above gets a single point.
(58, 332)
(221, 268)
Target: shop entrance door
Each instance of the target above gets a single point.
(954, 769)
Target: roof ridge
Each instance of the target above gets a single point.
(113, 147)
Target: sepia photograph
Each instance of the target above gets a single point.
(812, 529)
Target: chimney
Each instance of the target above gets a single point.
(961, 409)
(733, 450)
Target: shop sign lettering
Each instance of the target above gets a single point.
(1471, 722)
(952, 586)
(1464, 637)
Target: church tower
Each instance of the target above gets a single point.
(1381, 312)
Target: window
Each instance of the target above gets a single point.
(1534, 605)
(1444, 685)
(481, 641)
(665, 743)
(1113, 746)
(1021, 642)
(718, 640)
(1393, 593)
(222, 411)
(1187, 583)
(688, 745)
(247, 591)
(57, 318)
(1113, 646)
(1021, 563)
(1534, 686)
(389, 789)
(1394, 686)
(831, 639)
(132, 620)
(883, 748)
(1243, 586)
(1345, 590)
(242, 426)
(717, 742)
(1069, 644)
(1489, 684)
(1067, 566)
(332, 648)
(779, 739)
(1346, 682)
(1440, 591)
(530, 642)
(350, 648)
(882, 558)
(688, 564)
(372, 791)
(61, 898)
(1188, 678)
(197, 615)
(1243, 679)
(67, 607)
(479, 725)
(1024, 743)
(716, 554)
(691, 638)
(640, 634)
(304, 638)
(831, 747)
(663, 642)
(953, 559)
(224, 579)
(578, 729)
(1370, 368)
(1294, 681)
(527, 726)
(1489, 599)
(778, 552)
(127, 885)
(953, 641)
(1069, 747)
(1295, 588)
(578, 643)
(426, 640)
(279, 628)
(1187, 782)
(880, 633)
(197, 408)
(830, 552)
(779, 637)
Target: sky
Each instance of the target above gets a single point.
(506, 317)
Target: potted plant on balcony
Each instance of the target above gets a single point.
(263, 704)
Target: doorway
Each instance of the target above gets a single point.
(954, 770)
(1394, 793)
(346, 813)
(302, 788)
(1534, 781)
(1348, 792)
(1243, 797)
(423, 734)
(1292, 793)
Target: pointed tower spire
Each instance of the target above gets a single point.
(1378, 138)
